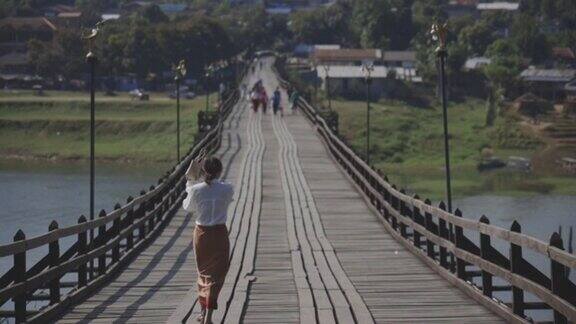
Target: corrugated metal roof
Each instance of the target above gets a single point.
(347, 54)
(35, 22)
(511, 6)
(476, 62)
(399, 56)
(14, 59)
(548, 75)
(74, 14)
(355, 72)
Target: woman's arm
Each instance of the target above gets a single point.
(194, 170)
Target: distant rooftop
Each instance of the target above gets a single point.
(509, 6)
(14, 59)
(564, 53)
(347, 54)
(172, 8)
(110, 16)
(548, 75)
(379, 72)
(326, 46)
(476, 62)
(71, 14)
(29, 22)
(399, 56)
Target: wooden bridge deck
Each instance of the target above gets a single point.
(305, 247)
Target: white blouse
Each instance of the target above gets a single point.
(208, 201)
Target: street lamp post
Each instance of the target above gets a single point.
(92, 60)
(180, 72)
(315, 70)
(367, 69)
(439, 33)
(327, 70)
(206, 88)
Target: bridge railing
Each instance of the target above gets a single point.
(438, 238)
(119, 236)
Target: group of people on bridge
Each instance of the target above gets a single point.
(259, 98)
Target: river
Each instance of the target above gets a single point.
(34, 194)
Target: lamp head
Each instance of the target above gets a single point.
(439, 32)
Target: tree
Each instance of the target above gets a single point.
(323, 25)
(373, 21)
(529, 40)
(476, 37)
(505, 64)
(501, 74)
(153, 14)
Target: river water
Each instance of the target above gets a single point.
(34, 194)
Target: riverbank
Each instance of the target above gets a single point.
(56, 127)
(407, 145)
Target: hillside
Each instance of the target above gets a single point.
(57, 127)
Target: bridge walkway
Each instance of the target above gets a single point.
(304, 245)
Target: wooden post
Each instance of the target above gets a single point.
(151, 205)
(443, 233)
(129, 222)
(417, 217)
(453, 240)
(165, 191)
(20, 276)
(459, 238)
(558, 277)
(429, 226)
(402, 209)
(54, 261)
(116, 233)
(516, 267)
(82, 249)
(102, 239)
(393, 203)
(485, 250)
(141, 213)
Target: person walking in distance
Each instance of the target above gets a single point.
(255, 98)
(208, 201)
(276, 100)
(263, 98)
(294, 97)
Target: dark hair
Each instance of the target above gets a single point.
(211, 167)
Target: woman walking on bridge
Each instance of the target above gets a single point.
(209, 201)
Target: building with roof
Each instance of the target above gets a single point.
(22, 29)
(110, 16)
(15, 63)
(460, 8)
(55, 10)
(349, 80)
(564, 55)
(346, 56)
(548, 83)
(72, 19)
(475, 63)
(405, 59)
(498, 6)
(173, 8)
(305, 50)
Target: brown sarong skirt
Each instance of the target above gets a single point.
(212, 249)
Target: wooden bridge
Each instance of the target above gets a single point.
(317, 236)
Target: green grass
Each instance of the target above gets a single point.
(407, 144)
(56, 126)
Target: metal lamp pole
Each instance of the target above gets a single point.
(92, 60)
(208, 70)
(180, 72)
(315, 69)
(367, 70)
(327, 70)
(439, 33)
